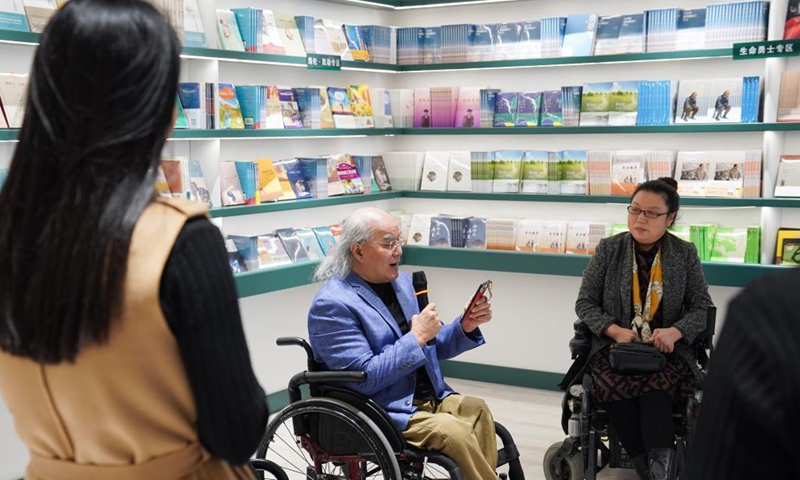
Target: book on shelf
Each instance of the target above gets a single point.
(171, 9)
(691, 29)
(483, 43)
(39, 13)
(791, 237)
(13, 87)
(327, 241)
(579, 35)
(623, 103)
(161, 185)
(598, 171)
(310, 243)
(267, 185)
(180, 117)
(192, 99)
(468, 108)
(235, 259)
(434, 171)
(596, 103)
(12, 16)
(341, 110)
(273, 249)
(356, 42)
(405, 169)
(309, 104)
(422, 108)
(334, 33)
(342, 169)
(198, 188)
(305, 25)
(507, 41)
(713, 173)
(315, 171)
(177, 176)
(431, 45)
(527, 235)
(577, 238)
(325, 112)
(287, 190)
(361, 105)
(528, 106)
(293, 244)
(501, 233)
(631, 34)
(250, 101)
(382, 108)
(507, 166)
(230, 187)
(488, 100)
(553, 29)
(229, 112)
(735, 22)
(403, 222)
(730, 245)
(787, 181)
(571, 105)
(789, 97)
(363, 165)
(530, 39)
(290, 111)
(228, 36)
(482, 171)
(246, 172)
(402, 101)
(551, 112)
(572, 166)
(475, 233)
(627, 171)
(441, 232)
(419, 231)
(270, 37)
(607, 35)
(535, 176)
(296, 177)
(459, 176)
(444, 104)
(661, 26)
(505, 109)
(380, 175)
(289, 34)
(251, 27)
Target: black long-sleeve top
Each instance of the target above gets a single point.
(199, 301)
(749, 420)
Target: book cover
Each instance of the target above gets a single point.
(315, 171)
(363, 165)
(180, 117)
(294, 173)
(161, 185)
(459, 176)
(501, 233)
(325, 238)
(419, 233)
(361, 105)
(607, 35)
(293, 245)
(507, 166)
(274, 114)
(787, 181)
(482, 171)
(693, 101)
(251, 27)
(325, 112)
(572, 166)
(691, 29)
(505, 109)
(527, 238)
(235, 259)
(340, 108)
(289, 34)
(725, 100)
(348, 175)
(693, 170)
(579, 35)
(786, 236)
(431, 45)
(332, 32)
(631, 34)
(247, 179)
(194, 35)
(39, 13)
(229, 113)
(530, 40)
(434, 171)
(577, 241)
(535, 172)
(382, 110)
(283, 179)
(249, 97)
(551, 113)
(507, 41)
(422, 108)
(192, 102)
(528, 109)
(174, 176)
(250, 251)
(228, 36)
(309, 104)
(552, 237)
(230, 187)
(623, 103)
(310, 243)
(12, 16)
(275, 250)
(290, 112)
(270, 38)
(440, 235)
(596, 103)
(729, 245)
(791, 30)
(627, 172)
(13, 89)
(268, 186)
(488, 99)
(356, 43)
(335, 185)
(475, 233)
(468, 108)
(380, 174)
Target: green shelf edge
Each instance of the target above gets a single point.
(221, 212)
(274, 279)
(19, 37)
(282, 133)
(406, 4)
(718, 274)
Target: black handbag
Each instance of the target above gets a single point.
(636, 358)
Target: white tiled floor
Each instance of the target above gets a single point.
(534, 419)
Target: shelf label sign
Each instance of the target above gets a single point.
(320, 61)
(772, 48)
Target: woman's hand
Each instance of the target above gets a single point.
(480, 314)
(664, 339)
(621, 335)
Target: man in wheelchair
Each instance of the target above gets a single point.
(365, 318)
(644, 287)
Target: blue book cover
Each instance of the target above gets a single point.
(353, 34)
(309, 103)
(528, 109)
(530, 40)
(475, 233)
(505, 109)
(431, 45)
(579, 35)
(315, 171)
(294, 172)
(440, 235)
(310, 243)
(691, 32)
(250, 22)
(247, 179)
(305, 25)
(571, 105)
(326, 239)
(12, 16)
(552, 115)
(506, 43)
(483, 43)
(249, 101)
(607, 35)
(247, 248)
(631, 34)
(289, 109)
(190, 95)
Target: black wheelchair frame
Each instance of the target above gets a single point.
(336, 433)
(584, 452)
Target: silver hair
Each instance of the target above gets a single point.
(357, 228)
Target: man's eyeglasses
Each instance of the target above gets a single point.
(390, 245)
(635, 211)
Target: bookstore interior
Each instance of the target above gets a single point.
(505, 149)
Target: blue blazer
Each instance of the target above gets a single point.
(351, 329)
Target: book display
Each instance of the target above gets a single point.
(514, 170)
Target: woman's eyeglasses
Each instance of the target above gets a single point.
(635, 211)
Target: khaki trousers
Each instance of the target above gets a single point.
(461, 427)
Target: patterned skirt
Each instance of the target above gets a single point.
(676, 378)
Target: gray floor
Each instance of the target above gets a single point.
(533, 417)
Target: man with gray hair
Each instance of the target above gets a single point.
(366, 318)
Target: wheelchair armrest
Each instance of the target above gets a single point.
(313, 365)
(312, 378)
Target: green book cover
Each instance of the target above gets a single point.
(730, 245)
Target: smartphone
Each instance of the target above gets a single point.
(480, 293)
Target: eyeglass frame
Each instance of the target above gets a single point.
(391, 245)
(647, 213)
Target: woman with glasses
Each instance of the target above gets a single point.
(645, 285)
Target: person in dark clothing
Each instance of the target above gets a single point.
(121, 304)
(645, 285)
(748, 417)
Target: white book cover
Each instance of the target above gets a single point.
(271, 38)
(627, 171)
(552, 237)
(419, 232)
(289, 34)
(693, 101)
(228, 36)
(404, 169)
(434, 171)
(194, 35)
(527, 238)
(728, 178)
(787, 182)
(337, 38)
(725, 101)
(13, 90)
(39, 13)
(322, 41)
(579, 35)
(578, 238)
(459, 175)
(693, 171)
(12, 16)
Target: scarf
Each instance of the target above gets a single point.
(643, 314)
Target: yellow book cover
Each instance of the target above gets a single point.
(269, 185)
(784, 234)
(283, 178)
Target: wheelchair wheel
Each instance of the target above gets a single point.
(324, 439)
(571, 467)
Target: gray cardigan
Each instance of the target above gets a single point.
(685, 298)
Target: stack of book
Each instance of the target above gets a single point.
(284, 246)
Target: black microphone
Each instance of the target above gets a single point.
(420, 282)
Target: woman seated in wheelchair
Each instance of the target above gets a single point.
(645, 285)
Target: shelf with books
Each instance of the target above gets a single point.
(594, 130)
(413, 4)
(24, 38)
(572, 61)
(719, 274)
(282, 133)
(273, 279)
(301, 204)
(522, 197)
(269, 59)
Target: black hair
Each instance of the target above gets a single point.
(101, 97)
(667, 187)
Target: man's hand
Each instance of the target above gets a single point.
(664, 339)
(480, 314)
(426, 325)
(621, 335)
